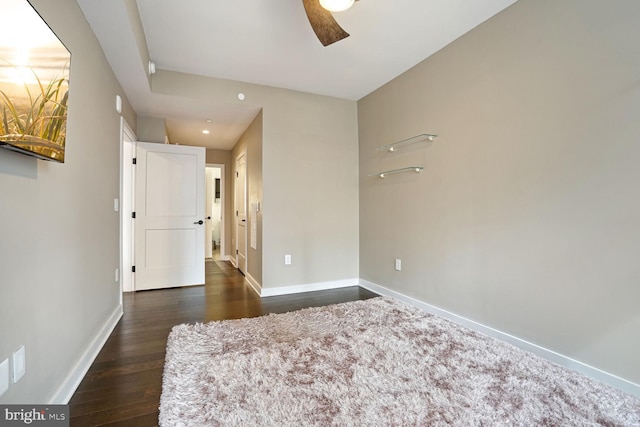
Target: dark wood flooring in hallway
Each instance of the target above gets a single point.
(123, 386)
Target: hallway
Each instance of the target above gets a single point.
(124, 384)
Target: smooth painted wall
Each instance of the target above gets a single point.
(310, 172)
(151, 129)
(309, 176)
(59, 232)
(526, 217)
(250, 144)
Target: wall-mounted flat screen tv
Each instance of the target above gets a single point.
(34, 83)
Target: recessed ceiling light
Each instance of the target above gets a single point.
(241, 96)
(206, 132)
(209, 121)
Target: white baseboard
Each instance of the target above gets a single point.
(77, 373)
(253, 283)
(233, 262)
(550, 355)
(319, 286)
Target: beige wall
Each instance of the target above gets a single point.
(250, 144)
(309, 177)
(151, 129)
(310, 209)
(527, 216)
(59, 244)
(253, 135)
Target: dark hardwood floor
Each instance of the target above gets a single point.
(124, 383)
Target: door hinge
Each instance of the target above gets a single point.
(134, 161)
(237, 174)
(237, 252)
(133, 268)
(133, 215)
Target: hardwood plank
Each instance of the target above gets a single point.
(123, 386)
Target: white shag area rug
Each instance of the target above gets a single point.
(377, 362)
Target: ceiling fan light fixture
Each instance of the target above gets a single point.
(336, 5)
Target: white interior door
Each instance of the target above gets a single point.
(241, 213)
(169, 215)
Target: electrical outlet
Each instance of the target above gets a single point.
(4, 376)
(19, 364)
(117, 275)
(398, 264)
(287, 260)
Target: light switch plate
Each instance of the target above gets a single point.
(4, 376)
(19, 364)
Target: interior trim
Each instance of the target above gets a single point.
(65, 392)
(253, 283)
(319, 286)
(550, 355)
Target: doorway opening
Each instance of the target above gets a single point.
(214, 217)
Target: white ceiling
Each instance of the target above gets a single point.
(271, 43)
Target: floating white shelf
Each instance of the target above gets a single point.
(384, 174)
(423, 137)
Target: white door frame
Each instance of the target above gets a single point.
(223, 255)
(127, 138)
(246, 207)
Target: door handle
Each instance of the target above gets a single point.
(244, 220)
(199, 222)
